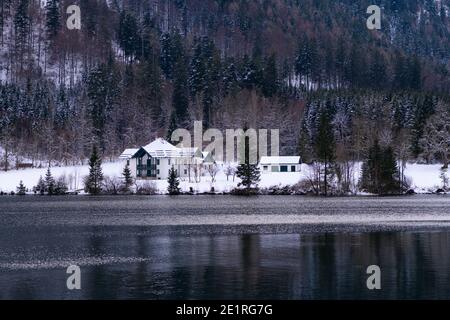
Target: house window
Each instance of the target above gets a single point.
(128, 162)
(293, 168)
(157, 162)
(149, 167)
(265, 168)
(283, 168)
(139, 168)
(169, 162)
(275, 169)
(157, 171)
(185, 171)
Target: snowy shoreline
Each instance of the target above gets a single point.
(365, 195)
(424, 179)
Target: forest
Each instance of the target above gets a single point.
(138, 69)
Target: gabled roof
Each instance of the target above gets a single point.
(128, 153)
(161, 148)
(207, 157)
(280, 160)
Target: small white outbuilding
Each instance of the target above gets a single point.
(280, 164)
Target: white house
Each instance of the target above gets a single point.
(154, 160)
(280, 164)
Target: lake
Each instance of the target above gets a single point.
(224, 247)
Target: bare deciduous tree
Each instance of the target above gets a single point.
(213, 169)
(230, 170)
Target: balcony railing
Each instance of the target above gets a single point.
(143, 167)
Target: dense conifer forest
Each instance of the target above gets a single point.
(138, 69)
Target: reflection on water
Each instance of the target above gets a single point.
(147, 262)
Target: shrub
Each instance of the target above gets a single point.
(244, 192)
(61, 186)
(21, 190)
(146, 188)
(112, 185)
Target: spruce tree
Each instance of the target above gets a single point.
(380, 172)
(62, 109)
(389, 172)
(303, 61)
(128, 34)
(21, 23)
(325, 147)
(53, 22)
(101, 92)
(171, 51)
(150, 88)
(270, 77)
(21, 190)
(204, 74)
(197, 69)
(180, 98)
(248, 172)
(305, 143)
(172, 126)
(340, 61)
(93, 183)
(230, 80)
(315, 67)
(40, 187)
(370, 169)
(422, 111)
(174, 182)
(49, 182)
(128, 179)
(249, 175)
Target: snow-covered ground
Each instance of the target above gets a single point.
(74, 174)
(424, 178)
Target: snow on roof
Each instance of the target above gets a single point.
(128, 153)
(187, 152)
(161, 148)
(160, 144)
(280, 160)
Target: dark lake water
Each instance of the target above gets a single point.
(223, 247)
